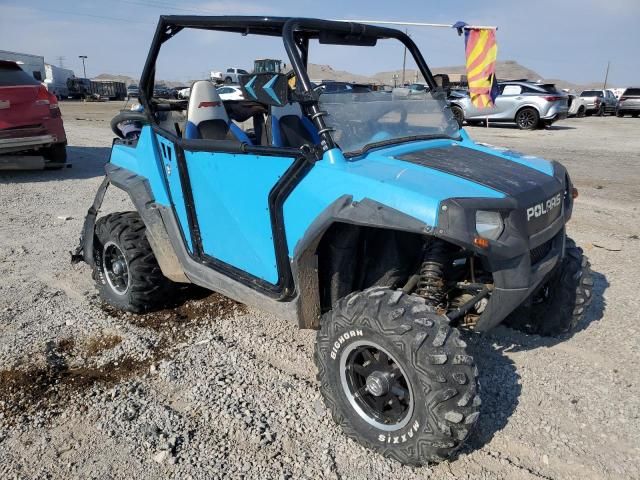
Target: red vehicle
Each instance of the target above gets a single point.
(30, 120)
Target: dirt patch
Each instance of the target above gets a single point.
(26, 389)
(192, 311)
(96, 345)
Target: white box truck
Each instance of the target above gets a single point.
(56, 80)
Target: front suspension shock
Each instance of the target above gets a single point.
(431, 285)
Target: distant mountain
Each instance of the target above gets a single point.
(505, 70)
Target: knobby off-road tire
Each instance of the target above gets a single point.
(559, 306)
(126, 271)
(433, 373)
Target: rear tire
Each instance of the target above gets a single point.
(396, 376)
(55, 156)
(527, 119)
(560, 304)
(126, 271)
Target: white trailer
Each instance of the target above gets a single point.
(32, 64)
(56, 80)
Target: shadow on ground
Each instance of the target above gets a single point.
(86, 162)
(516, 341)
(498, 376)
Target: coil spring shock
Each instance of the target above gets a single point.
(431, 285)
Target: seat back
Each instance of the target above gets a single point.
(207, 117)
(290, 128)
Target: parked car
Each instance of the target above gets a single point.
(230, 76)
(175, 90)
(230, 92)
(577, 105)
(629, 103)
(530, 105)
(599, 102)
(343, 87)
(160, 91)
(133, 91)
(30, 119)
(184, 93)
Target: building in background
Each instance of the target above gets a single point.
(32, 64)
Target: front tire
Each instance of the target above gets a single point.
(126, 271)
(396, 376)
(560, 304)
(527, 119)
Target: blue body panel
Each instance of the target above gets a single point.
(231, 194)
(412, 189)
(145, 161)
(151, 162)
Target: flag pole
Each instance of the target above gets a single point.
(420, 24)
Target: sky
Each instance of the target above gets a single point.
(565, 39)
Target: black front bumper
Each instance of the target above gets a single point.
(514, 285)
(527, 251)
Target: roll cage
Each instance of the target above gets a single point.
(296, 33)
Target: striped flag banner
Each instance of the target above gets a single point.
(481, 53)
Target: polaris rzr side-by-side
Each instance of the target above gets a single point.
(370, 217)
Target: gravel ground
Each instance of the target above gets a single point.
(213, 389)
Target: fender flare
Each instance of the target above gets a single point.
(139, 191)
(367, 213)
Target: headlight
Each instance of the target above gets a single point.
(489, 224)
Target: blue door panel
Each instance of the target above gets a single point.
(167, 153)
(231, 194)
(144, 160)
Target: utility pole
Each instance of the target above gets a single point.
(60, 59)
(606, 75)
(84, 68)
(404, 59)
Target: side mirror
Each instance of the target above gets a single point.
(266, 88)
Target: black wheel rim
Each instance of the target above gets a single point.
(527, 119)
(376, 386)
(116, 268)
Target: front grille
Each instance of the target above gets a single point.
(537, 254)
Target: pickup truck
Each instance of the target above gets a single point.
(599, 102)
(230, 76)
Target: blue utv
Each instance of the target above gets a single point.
(370, 217)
